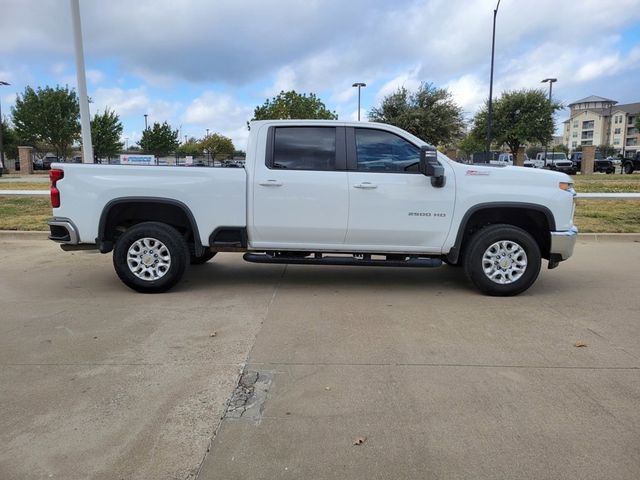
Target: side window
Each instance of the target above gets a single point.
(304, 148)
(380, 151)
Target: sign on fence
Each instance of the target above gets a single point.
(137, 159)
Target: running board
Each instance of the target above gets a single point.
(320, 259)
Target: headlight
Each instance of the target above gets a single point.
(566, 186)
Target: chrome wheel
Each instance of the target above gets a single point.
(504, 262)
(148, 259)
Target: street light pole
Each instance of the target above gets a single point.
(359, 85)
(207, 132)
(145, 121)
(85, 119)
(2, 165)
(551, 82)
(493, 49)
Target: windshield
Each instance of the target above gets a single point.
(557, 156)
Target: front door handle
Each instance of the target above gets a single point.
(365, 185)
(271, 183)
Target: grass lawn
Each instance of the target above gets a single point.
(24, 213)
(600, 182)
(24, 186)
(592, 216)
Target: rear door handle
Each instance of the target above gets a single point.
(365, 185)
(271, 183)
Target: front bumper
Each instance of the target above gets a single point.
(562, 244)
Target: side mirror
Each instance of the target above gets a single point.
(430, 167)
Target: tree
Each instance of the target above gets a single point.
(191, 147)
(48, 116)
(560, 148)
(518, 117)
(606, 150)
(106, 131)
(216, 144)
(289, 105)
(469, 144)
(159, 140)
(533, 151)
(9, 141)
(429, 113)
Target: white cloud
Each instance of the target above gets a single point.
(409, 80)
(219, 113)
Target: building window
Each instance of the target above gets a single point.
(587, 125)
(589, 142)
(631, 120)
(631, 131)
(616, 141)
(575, 124)
(575, 134)
(616, 131)
(632, 142)
(588, 135)
(574, 144)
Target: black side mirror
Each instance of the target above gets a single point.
(430, 167)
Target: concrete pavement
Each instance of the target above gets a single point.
(101, 382)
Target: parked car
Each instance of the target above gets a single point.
(629, 165)
(600, 164)
(534, 163)
(555, 161)
(320, 192)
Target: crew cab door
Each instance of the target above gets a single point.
(392, 206)
(300, 191)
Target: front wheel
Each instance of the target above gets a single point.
(502, 260)
(628, 168)
(150, 257)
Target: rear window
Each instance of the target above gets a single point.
(304, 148)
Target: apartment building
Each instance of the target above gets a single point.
(598, 121)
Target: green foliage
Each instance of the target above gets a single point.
(48, 116)
(290, 105)
(9, 141)
(533, 151)
(216, 144)
(106, 130)
(429, 113)
(560, 148)
(470, 144)
(518, 117)
(192, 147)
(606, 150)
(159, 140)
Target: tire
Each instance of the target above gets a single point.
(193, 260)
(628, 168)
(494, 242)
(154, 270)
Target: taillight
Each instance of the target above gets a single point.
(55, 174)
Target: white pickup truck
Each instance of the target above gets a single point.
(320, 192)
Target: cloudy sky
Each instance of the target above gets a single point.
(208, 63)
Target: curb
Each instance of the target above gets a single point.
(582, 237)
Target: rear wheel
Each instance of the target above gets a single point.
(502, 260)
(628, 168)
(150, 257)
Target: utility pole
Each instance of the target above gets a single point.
(551, 81)
(85, 119)
(493, 49)
(359, 85)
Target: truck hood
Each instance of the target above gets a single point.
(497, 174)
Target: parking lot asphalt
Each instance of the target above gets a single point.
(433, 379)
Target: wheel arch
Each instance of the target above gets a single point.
(129, 211)
(537, 220)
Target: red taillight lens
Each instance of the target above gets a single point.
(55, 175)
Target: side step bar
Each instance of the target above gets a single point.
(320, 259)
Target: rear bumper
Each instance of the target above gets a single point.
(562, 243)
(63, 230)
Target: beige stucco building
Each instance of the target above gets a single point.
(601, 121)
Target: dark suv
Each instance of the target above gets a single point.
(600, 164)
(631, 164)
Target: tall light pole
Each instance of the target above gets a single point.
(493, 49)
(85, 119)
(207, 132)
(3, 84)
(551, 82)
(145, 121)
(359, 85)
